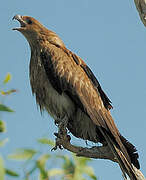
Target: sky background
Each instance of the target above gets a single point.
(111, 39)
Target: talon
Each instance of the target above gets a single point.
(54, 148)
(56, 121)
(60, 147)
(68, 138)
(56, 134)
(57, 144)
(62, 132)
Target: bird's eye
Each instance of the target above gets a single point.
(28, 21)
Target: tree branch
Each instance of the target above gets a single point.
(141, 7)
(97, 152)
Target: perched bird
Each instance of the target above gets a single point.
(66, 87)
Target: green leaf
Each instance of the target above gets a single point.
(68, 165)
(8, 92)
(2, 126)
(11, 173)
(3, 142)
(42, 160)
(43, 177)
(32, 170)
(7, 78)
(82, 161)
(26, 178)
(89, 171)
(23, 154)
(43, 172)
(2, 169)
(5, 108)
(55, 172)
(46, 141)
(41, 163)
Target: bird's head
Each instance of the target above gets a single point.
(34, 31)
(28, 26)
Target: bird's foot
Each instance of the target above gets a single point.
(57, 142)
(62, 132)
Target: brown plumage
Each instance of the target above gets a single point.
(65, 86)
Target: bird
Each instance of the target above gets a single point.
(68, 90)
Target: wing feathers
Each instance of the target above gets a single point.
(87, 70)
(76, 83)
(105, 99)
(122, 161)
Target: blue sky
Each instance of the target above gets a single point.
(111, 39)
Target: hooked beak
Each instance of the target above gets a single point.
(21, 21)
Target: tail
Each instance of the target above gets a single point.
(126, 167)
(131, 151)
(103, 119)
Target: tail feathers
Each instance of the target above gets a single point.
(131, 151)
(124, 164)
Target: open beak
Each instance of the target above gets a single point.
(21, 21)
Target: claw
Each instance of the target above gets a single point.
(54, 148)
(62, 131)
(58, 144)
(69, 138)
(57, 121)
(56, 134)
(60, 147)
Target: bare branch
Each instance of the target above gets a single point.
(141, 7)
(97, 152)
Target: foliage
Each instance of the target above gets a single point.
(4, 108)
(72, 167)
(40, 163)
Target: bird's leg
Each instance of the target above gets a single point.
(62, 132)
